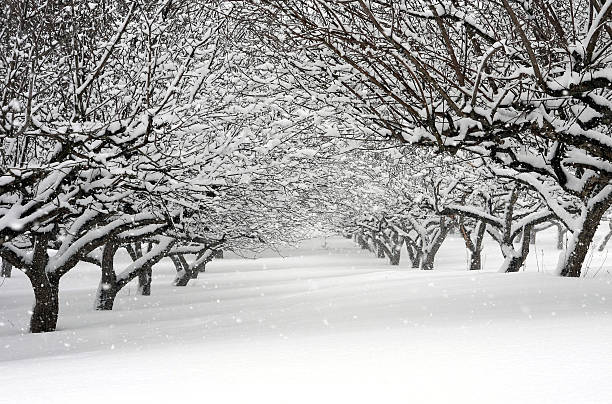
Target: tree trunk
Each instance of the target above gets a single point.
(475, 261)
(194, 274)
(395, 253)
(371, 245)
(474, 246)
(532, 237)
(394, 259)
(414, 254)
(183, 274)
(514, 260)
(182, 278)
(513, 263)
(107, 289)
(7, 268)
(105, 296)
(476, 257)
(560, 236)
(427, 260)
(144, 281)
(361, 242)
(46, 288)
(201, 267)
(416, 261)
(46, 304)
(578, 247)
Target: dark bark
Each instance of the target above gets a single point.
(7, 269)
(46, 305)
(414, 254)
(144, 281)
(110, 285)
(513, 260)
(581, 239)
(517, 260)
(532, 237)
(145, 276)
(106, 295)
(108, 288)
(395, 254)
(475, 261)
(181, 279)
(361, 241)
(183, 272)
(473, 246)
(201, 267)
(427, 261)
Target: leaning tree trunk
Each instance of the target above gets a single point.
(515, 259)
(427, 262)
(578, 246)
(145, 275)
(474, 246)
(110, 284)
(183, 272)
(200, 264)
(392, 251)
(429, 254)
(476, 257)
(361, 241)
(7, 268)
(414, 254)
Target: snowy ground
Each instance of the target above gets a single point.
(327, 324)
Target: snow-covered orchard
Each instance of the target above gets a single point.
(375, 200)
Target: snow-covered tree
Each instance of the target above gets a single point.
(523, 84)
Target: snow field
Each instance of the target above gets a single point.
(324, 325)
